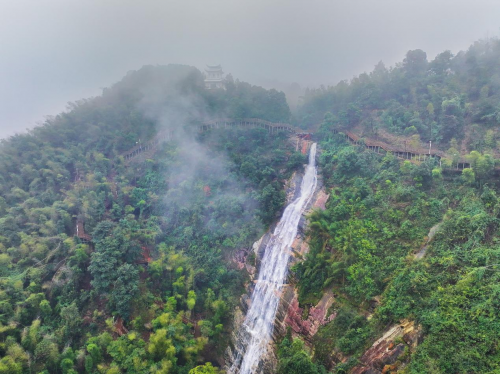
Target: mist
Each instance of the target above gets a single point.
(55, 51)
(199, 177)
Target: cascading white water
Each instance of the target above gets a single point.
(257, 329)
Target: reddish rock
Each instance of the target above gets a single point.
(119, 327)
(316, 317)
(294, 318)
(145, 256)
(240, 258)
(384, 353)
(321, 200)
(393, 355)
(305, 147)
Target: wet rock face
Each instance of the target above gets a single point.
(321, 200)
(287, 296)
(317, 316)
(294, 319)
(292, 187)
(267, 364)
(382, 357)
(245, 303)
(289, 313)
(280, 325)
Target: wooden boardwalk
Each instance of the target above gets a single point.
(146, 150)
(150, 146)
(407, 153)
(225, 123)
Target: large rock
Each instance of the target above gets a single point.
(316, 317)
(382, 356)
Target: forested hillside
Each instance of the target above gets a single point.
(452, 101)
(134, 265)
(406, 242)
(149, 285)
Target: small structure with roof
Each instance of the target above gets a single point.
(80, 232)
(213, 77)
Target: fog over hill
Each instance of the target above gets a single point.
(345, 219)
(54, 51)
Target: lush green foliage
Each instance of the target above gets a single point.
(448, 97)
(380, 210)
(375, 216)
(155, 288)
(363, 245)
(294, 359)
(453, 292)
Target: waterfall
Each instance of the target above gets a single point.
(256, 332)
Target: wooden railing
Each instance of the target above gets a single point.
(402, 153)
(272, 127)
(150, 145)
(406, 153)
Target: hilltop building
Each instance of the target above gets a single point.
(213, 77)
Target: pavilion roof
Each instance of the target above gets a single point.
(213, 68)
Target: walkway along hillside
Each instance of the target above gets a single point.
(146, 150)
(140, 149)
(406, 154)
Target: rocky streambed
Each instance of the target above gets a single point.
(283, 295)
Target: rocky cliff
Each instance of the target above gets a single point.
(387, 354)
(288, 294)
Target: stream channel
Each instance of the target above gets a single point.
(256, 332)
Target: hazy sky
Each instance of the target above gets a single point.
(55, 51)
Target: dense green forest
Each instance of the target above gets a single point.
(369, 245)
(155, 289)
(154, 286)
(365, 243)
(451, 97)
